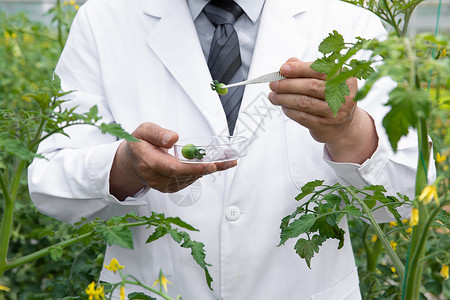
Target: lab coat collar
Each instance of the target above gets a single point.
(175, 41)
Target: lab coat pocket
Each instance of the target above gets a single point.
(305, 155)
(346, 289)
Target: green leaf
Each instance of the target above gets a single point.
(117, 130)
(177, 221)
(335, 95)
(297, 227)
(407, 107)
(353, 210)
(306, 248)
(434, 287)
(344, 196)
(159, 232)
(370, 203)
(443, 219)
(16, 148)
(323, 65)
(56, 252)
(119, 235)
(139, 296)
(176, 236)
(198, 253)
(309, 188)
(333, 199)
(327, 231)
(361, 69)
(334, 42)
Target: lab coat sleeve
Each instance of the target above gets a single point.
(73, 179)
(396, 171)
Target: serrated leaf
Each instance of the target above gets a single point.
(306, 248)
(361, 69)
(118, 235)
(176, 236)
(406, 108)
(335, 95)
(139, 296)
(177, 221)
(370, 203)
(297, 227)
(353, 210)
(308, 188)
(328, 231)
(323, 65)
(344, 196)
(117, 130)
(198, 253)
(334, 42)
(16, 148)
(332, 199)
(159, 232)
(56, 253)
(442, 219)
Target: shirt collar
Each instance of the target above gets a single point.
(252, 8)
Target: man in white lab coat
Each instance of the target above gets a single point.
(143, 62)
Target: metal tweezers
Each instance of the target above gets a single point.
(261, 79)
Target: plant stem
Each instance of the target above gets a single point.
(5, 227)
(395, 260)
(43, 252)
(8, 213)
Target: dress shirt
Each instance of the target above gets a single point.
(246, 27)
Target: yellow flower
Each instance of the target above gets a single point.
(394, 271)
(7, 289)
(444, 271)
(391, 224)
(428, 193)
(114, 266)
(122, 293)
(77, 7)
(93, 292)
(393, 245)
(414, 220)
(162, 280)
(72, 2)
(439, 158)
(14, 35)
(409, 230)
(374, 238)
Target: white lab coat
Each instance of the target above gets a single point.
(141, 61)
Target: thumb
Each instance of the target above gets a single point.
(156, 135)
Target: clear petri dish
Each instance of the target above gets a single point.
(208, 149)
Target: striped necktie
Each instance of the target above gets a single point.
(224, 59)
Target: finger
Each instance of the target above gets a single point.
(296, 68)
(303, 86)
(303, 103)
(169, 166)
(156, 135)
(221, 166)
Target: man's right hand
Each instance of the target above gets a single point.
(147, 163)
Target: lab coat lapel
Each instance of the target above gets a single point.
(279, 38)
(175, 41)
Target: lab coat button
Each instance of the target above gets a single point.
(232, 213)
